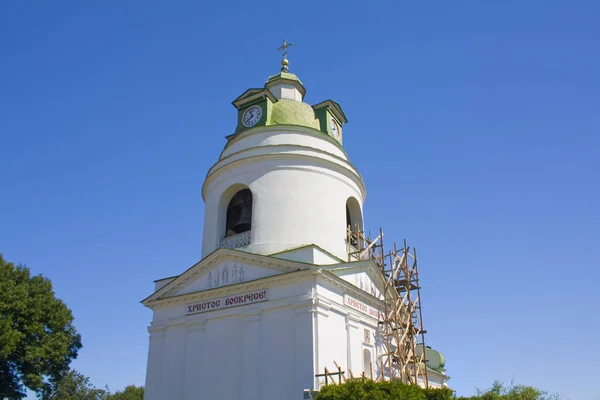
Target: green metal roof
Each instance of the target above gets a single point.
(284, 75)
(292, 112)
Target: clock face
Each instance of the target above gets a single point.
(251, 116)
(335, 129)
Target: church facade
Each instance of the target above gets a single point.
(275, 298)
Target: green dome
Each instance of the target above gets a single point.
(435, 359)
(292, 112)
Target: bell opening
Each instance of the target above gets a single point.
(239, 213)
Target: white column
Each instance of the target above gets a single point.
(153, 370)
(304, 353)
(321, 314)
(194, 362)
(173, 369)
(351, 344)
(251, 360)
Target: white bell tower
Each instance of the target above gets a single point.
(283, 179)
(280, 293)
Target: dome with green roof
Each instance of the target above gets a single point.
(292, 112)
(281, 103)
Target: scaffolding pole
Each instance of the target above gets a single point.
(402, 324)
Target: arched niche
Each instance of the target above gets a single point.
(353, 215)
(239, 213)
(367, 363)
(235, 211)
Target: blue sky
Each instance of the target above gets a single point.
(475, 125)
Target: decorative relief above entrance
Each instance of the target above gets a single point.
(228, 274)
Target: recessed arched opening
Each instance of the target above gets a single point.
(234, 220)
(354, 222)
(353, 215)
(367, 364)
(239, 213)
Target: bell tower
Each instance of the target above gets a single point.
(283, 291)
(283, 180)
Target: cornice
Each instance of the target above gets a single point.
(352, 321)
(372, 271)
(219, 255)
(441, 375)
(303, 130)
(342, 170)
(182, 299)
(283, 147)
(253, 94)
(313, 246)
(344, 311)
(252, 310)
(350, 289)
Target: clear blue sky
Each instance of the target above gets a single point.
(475, 124)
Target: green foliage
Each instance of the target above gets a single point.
(130, 392)
(439, 394)
(498, 391)
(359, 389)
(37, 338)
(75, 386)
(364, 389)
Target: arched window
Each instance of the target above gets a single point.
(348, 219)
(367, 366)
(353, 220)
(353, 214)
(239, 213)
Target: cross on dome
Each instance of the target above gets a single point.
(284, 61)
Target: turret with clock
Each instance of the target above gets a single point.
(280, 103)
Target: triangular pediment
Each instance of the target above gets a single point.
(365, 275)
(334, 108)
(224, 267)
(253, 94)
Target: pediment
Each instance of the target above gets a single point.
(365, 275)
(224, 267)
(225, 273)
(252, 94)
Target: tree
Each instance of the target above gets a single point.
(75, 386)
(130, 392)
(37, 336)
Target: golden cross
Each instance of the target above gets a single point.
(284, 47)
(284, 61)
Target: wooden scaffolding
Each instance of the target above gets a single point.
(401, 326)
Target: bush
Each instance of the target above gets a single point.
(364, 389)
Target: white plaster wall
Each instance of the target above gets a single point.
(277, 136)
(303, 254)
(173, 369)
(296, 201)
(253, 352)
(322, 258)
(332, 341)
(286, 92)
(363, 281)
(308, 254)
(341, 331)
